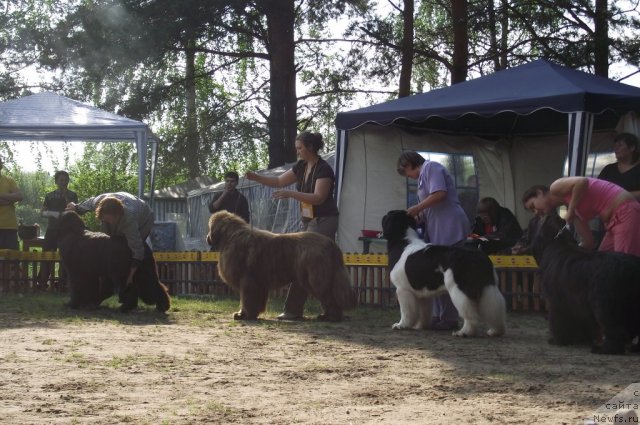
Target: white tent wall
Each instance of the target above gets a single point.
(371, 186)
(541, 159)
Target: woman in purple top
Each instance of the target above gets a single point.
(587, 198)
(446, 223)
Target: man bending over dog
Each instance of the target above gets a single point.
(125, 215)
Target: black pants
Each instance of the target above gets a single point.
(50, 243)
(146, 284)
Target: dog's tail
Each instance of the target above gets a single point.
(343, 294)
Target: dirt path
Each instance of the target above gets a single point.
(205, 368)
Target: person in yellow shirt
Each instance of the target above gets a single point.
(9, 195)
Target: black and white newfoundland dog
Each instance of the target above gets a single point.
(98, 264)
(254, 261)
(420, 271)
(593, 297)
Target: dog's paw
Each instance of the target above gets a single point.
(494, 332)
(329, 318)
(127, 307)
(241, 315)
(399, 326)
(459, 333)
(609, 347)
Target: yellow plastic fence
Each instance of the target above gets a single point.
(195, 272)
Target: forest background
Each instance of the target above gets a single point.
(228, 84)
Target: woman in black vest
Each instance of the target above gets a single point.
(315, 181)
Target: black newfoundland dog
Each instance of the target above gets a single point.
(420, 271)
(254, 261)
(98, 264)
(590, 295)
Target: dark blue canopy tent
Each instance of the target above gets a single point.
(536, 98)
(513, 124)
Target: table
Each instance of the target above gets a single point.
(27, 244)
(366, 243)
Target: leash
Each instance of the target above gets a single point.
(566, 227)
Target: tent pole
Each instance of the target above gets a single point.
(341, 151)
(580, 131)
(154, 162)
(141, 144)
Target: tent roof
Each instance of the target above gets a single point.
(49, 116)
(531, 98)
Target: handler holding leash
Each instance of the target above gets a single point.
(587, 198)
(314, 180)
(123, 214)
(445, 221)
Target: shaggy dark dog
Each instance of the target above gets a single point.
(589, 294)
(254, 261)
(98, 264)
(420, 271)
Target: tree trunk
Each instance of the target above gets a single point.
(406, 49)
(504, 27)
(281, 48)
(601, 39)
(460, 41)
(493, 35)
(192, 136)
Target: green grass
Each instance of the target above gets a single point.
(26, 309)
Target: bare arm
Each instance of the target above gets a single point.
(585, 233)
(282, 180)
(574, 186)
(11, 197)
(319, 195)
(216, 203)
(431, 200)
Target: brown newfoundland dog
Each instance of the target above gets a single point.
(98, 264)
(254, 261)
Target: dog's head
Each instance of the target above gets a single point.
(70, 224)
(395, 224)
(222, 226)
(548, 235)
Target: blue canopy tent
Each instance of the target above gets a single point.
(536, 99)
(51, 117)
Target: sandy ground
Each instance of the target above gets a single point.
(144, 368)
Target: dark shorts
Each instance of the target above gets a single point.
(9, 239)
(50, 242)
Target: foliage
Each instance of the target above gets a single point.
(201, 72)
(502, 34)
(104, 168)
(32, 186)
